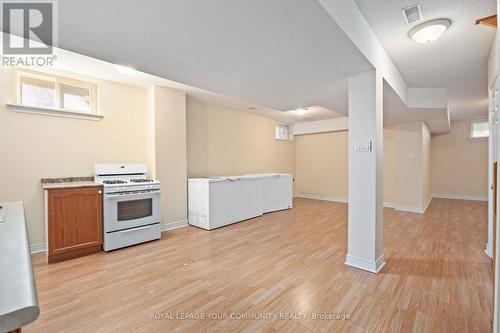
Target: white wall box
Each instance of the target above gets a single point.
(219, 201)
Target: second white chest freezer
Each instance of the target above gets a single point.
(277, 190)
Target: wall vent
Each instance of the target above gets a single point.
(412, 14)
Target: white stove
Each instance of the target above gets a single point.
(131, 210)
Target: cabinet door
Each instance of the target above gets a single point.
(62, 220)
(74, 220)
(89, 217)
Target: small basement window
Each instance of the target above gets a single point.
(282, 132)
(37, 92)
(479, 129)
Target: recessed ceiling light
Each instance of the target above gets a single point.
(125, 69)
(301, 111)
(429, 31)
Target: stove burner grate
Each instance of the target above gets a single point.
(113, 182)
(140, 180)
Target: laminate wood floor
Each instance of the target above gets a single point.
(287, 264)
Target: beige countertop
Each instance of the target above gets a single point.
(65, 183)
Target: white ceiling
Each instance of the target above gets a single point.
(457, 61)
(279, 54)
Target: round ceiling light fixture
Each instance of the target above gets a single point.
(429, 31)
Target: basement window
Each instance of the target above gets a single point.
(479, 129)
(54, 95)
(282, 132)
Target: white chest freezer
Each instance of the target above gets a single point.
(214, 203)
(219, 201)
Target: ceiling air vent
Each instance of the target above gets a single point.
(412, 14)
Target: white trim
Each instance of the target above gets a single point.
(321, 197)
(411, 209)
(54, 112)
(365, 264)
(37, 248)
(389, 205)
(460, 197)
(37, 76)
(174, 225)
(83, 85)
(488, 250)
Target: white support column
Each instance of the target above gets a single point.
(366, 225)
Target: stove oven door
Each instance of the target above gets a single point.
(125, 211)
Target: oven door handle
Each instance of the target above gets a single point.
(132, 195)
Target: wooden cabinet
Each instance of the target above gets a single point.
(74, 222)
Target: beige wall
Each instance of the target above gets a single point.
(407, 166)
(408, 169)
(322, 165)
(390, 167)
(35, 146)
(459, 165)
(228, 142)
(169, 108)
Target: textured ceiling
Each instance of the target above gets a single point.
(280, 54)
(457, 61)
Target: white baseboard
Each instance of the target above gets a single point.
(37, 248)
(174, 225)
(411, 209)
(461, 197)
(344, 200)
(365, 264)
(321, 197)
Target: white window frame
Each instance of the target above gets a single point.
(479, 121)
(58, 111)
(34, 76)
(288, 131)
(76, 85)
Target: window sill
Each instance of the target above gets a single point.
(284, 141)
(54, 112)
